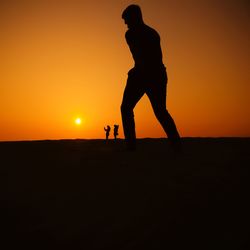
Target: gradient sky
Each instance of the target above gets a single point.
(66, 59)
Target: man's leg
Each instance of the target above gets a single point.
(157, 95)
(132, 94)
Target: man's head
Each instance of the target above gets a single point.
(132, 16)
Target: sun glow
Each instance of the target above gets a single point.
(78, 121)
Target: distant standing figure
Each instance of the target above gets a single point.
(107, 131)
(148, 76)
(116, 127)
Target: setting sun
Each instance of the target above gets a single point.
(78, 121)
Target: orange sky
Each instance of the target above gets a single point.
(66, 59)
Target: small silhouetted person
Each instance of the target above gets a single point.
(107, 131)
(116, 127)
(148, 76)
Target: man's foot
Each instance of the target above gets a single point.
(176, 147)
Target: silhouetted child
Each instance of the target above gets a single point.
(107, 131)
(116, 127)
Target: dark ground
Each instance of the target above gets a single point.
(88, 194)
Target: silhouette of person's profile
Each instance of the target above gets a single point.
(148, 76)
(116, 127)
(107, 130)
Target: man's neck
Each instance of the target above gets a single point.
(137, 26)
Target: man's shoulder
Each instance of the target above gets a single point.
(144, 30)
(151, 31)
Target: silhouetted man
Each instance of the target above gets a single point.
(147, 76)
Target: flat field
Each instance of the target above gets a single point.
(91, 194)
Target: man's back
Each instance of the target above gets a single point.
(144, 44)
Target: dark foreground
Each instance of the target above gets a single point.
(86, 194)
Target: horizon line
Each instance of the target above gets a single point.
(112, 139)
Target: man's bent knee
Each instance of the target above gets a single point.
(161, 114)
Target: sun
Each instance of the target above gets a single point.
(78, 121)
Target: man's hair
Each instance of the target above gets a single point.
(132, 11)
